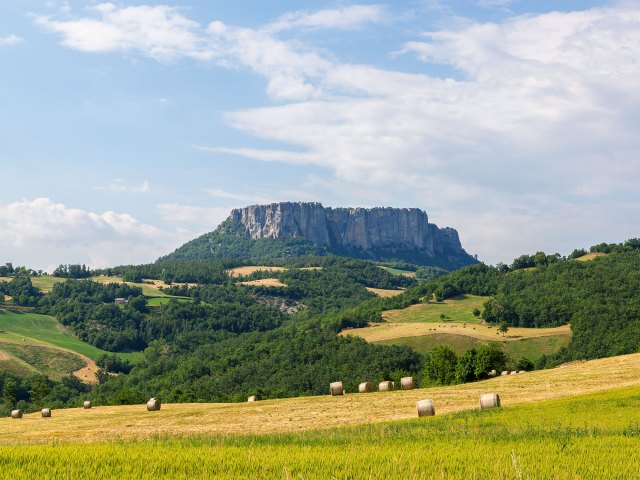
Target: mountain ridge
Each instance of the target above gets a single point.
(289, 229)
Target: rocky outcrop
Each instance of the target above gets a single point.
(401, 233)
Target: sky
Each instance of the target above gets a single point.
(127, 129)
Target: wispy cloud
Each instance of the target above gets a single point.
(541, 117)
(10, 40)
(119, 185)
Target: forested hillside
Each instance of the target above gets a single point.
(219, 339)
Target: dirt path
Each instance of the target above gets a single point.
(88, 373)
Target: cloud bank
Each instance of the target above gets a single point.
(528, 143)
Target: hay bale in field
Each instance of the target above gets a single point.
(364, 387)
(489, 400)
(504, 372)
(385, 386)
(513, 373)
(16, 413)
(252, 398)
(153, 405)
(407, 383)
(336, 388)
(46, 412)
(493, 373)
(521, 371)
(87, 404)
(425, 408)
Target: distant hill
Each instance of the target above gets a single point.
(284, 230)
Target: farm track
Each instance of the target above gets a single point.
(313, 413)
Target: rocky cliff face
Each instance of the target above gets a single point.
(364, 231)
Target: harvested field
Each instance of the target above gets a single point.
(264, 282)
(384, 293)
(377, 332)
(591, 256)
(310, 413)
(248, 270)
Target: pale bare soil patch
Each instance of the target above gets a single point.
(377, 332)
(248, 270)
(308, 413)
(382, 292)
(264, 282)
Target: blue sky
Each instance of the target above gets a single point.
(129, 128)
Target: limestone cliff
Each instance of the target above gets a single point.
(377, 233)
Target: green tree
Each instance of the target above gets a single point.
(525, 364)
(441, 366)
(503, 328)
(465, 368)
(10, 392)
(39, 389)
(476, 312)
(489, 357)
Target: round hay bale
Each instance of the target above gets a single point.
(364, 387)
(46, 413)
(489, 400)
(16, 413)
(504, 372)
(87, 404)
(385, 386)
(153, 405)
(407, 383)
(336, 388)
(492, 373)
(252, 398)
(513, 373)
(425, 408)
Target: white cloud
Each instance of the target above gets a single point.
(539, 125)
(118, 185)
(159, 32)
(345, 18)
(10, 40)
(40, 232)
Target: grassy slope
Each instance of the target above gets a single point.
(457, 309)
(325, 412)
(422, 328)
(47, 330)
(53, 362)
(532, 348)
(588, 436)
(397, 271)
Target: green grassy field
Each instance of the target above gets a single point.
(52, 362)
(157, 301)
(457, 309)
(532, 348)
(586, 437)
(47, 330)
(397, 271)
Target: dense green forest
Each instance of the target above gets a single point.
(223, 341)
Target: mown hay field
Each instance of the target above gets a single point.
(385, 293)
(582, 437)
(248, 270)
(264, 282)
(312, 413)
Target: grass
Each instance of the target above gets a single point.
(457, 309)
(384, 293)
(157, 301)
(248, 270)
(264, 282)
(53, 362)
(47, 330)
(148, 290)
(575, 437)
(532, 348)
(398, 272)
(591, 256)
(15, 365)
(324, 412)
